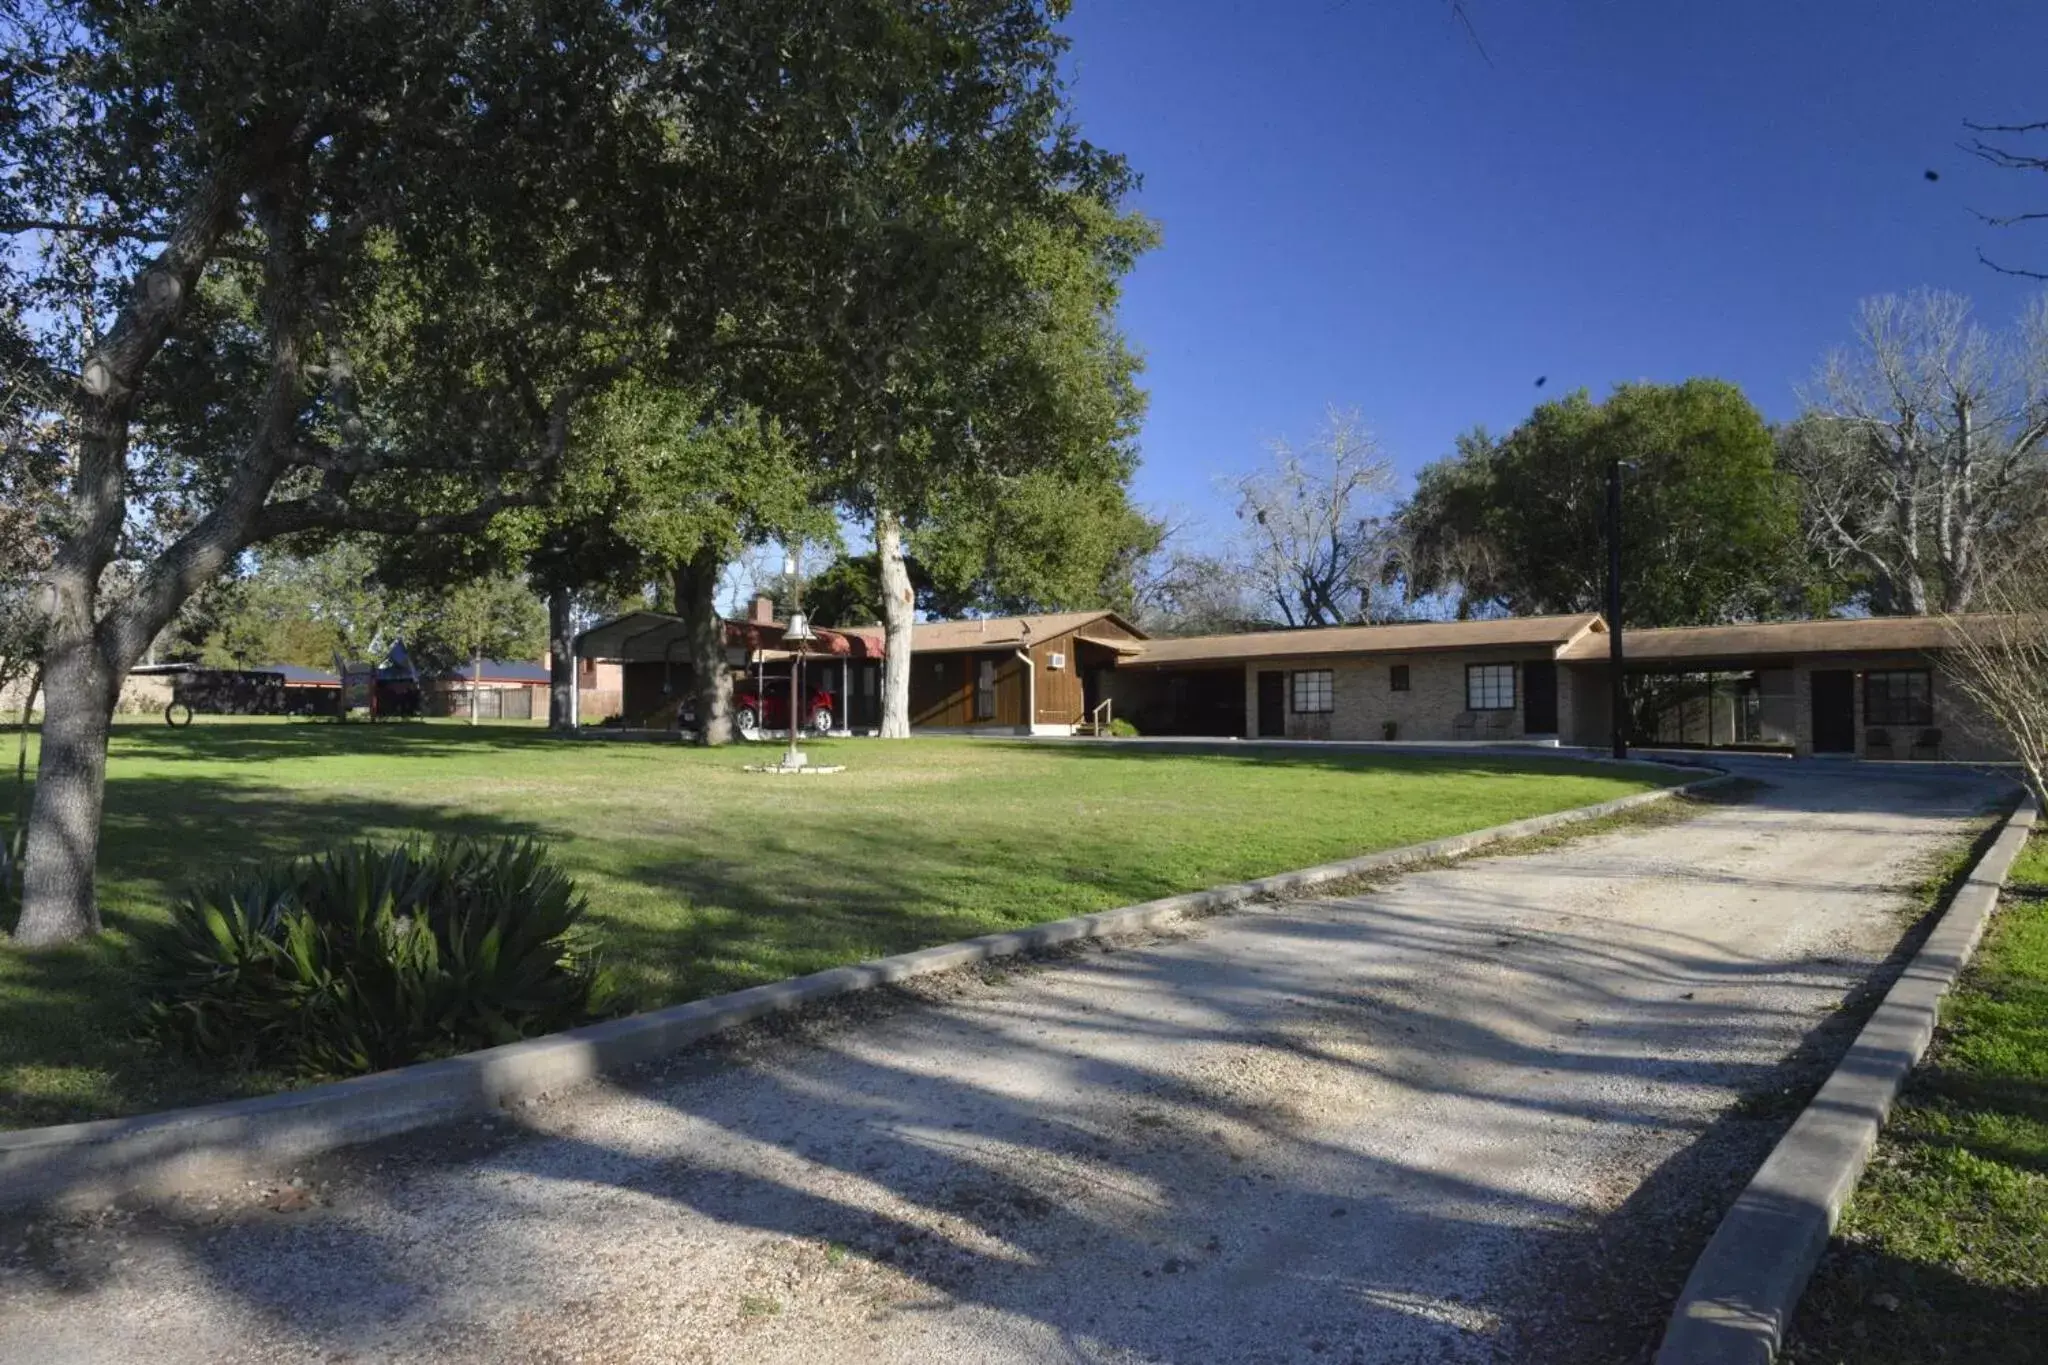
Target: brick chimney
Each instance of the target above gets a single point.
(764, 610)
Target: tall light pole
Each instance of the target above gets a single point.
(1618, 701)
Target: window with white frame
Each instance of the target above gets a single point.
(1489, 687)
(1314, 691)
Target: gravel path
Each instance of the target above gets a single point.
(1394, 1127)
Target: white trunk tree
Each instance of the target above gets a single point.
(1924, 447)
(1317, 540)
(899, 614)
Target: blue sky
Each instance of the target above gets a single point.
(1361, 209)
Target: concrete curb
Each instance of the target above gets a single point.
(158, 1153)
(1739, 1299)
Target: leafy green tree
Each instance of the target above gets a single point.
(1042, 543)
(298, 609)
(303, 265)
(991, 364)
(485, 618)
(695, 485)
(358, 268)
(1710, 526)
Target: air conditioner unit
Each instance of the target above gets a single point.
(1056, 661)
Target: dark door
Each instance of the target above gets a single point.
(1272, 705)
(1834, 711)
(1539, 697)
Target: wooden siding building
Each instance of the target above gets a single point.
(1044, 674)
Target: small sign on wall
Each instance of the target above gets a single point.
(1056, 661)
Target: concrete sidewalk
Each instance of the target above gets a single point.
(1390, 1128)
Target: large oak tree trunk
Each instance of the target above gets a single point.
(561, 661)
(58, 903)
(899, 607)
(710, 676)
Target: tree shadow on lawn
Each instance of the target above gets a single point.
(283, 740)
(1362, 758)
(70, 1015)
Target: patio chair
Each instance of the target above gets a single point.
(1498, 725)
(1463, 724)
(1927, 744)
(1877, 743)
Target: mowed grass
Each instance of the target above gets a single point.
(705, 878)
(1943, 1252)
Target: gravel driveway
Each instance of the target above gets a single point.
(1394, 1127)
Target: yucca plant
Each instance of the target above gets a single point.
(369, 957)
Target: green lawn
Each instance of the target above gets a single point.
(1943, 1253)
(703, 878)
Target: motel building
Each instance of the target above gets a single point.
(1871, 688)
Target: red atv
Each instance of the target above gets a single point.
(766, 707)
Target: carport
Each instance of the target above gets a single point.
(653, 649)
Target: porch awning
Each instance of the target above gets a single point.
(658, 637)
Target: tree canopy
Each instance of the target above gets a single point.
(1710, 528)
(309, 268)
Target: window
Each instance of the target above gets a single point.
(985, 691)
(1489, 687)
(1312, 691)
(1397, 678)
(1056, 660)
(1902, 696)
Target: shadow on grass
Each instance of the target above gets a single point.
(1867, 1307)
(68, 1016)
(232, 742)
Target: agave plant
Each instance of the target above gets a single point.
(368, 957)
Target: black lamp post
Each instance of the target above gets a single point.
(1618, 703)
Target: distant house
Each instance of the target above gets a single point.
(308, 691)
(506, 689)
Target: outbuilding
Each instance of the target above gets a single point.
(1045, 674)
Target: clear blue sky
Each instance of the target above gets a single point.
(1359, 208)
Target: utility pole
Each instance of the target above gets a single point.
(1618, 682)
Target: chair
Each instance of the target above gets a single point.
(1877, 743)
(1927, 744)
(1462, 725)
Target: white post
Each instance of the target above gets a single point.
(476, 680)
(845, 682)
